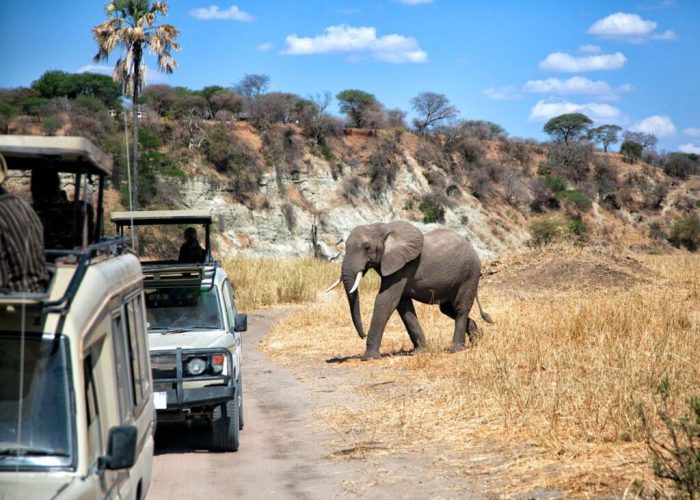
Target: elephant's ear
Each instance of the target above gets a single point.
(403, 243)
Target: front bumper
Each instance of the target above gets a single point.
(212, 390)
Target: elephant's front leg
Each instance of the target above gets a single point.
(410, 321)
(386, 302)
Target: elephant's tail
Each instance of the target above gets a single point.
(484, 315)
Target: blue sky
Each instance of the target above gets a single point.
(635, 63)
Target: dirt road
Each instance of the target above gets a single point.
(283, 452)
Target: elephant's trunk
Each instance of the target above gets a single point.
(351, 282)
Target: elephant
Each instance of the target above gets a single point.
(439, 267)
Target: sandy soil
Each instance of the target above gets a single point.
(284, 453)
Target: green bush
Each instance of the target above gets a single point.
(432, 210)
(676, 456)
(51, 124)
(226, 152)
(555, 229)
(686, 231)
(577, 198)
(555, 183)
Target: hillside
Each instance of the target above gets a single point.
(285, 189)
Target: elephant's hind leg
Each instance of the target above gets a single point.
(410, 321)
(462, 324)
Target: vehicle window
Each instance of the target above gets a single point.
(229, 303)
(123, 375)
(36, 425)
(140, 331)
(183, 308)
(135, 354)
(93, 412)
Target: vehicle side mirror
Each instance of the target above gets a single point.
(121, 448)
(240, 323)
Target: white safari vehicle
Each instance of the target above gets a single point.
(76, 405)
(194, 334)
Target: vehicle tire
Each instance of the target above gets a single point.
(225, 425)
(240, 402)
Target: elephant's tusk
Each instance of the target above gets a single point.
(332, 286)
(357, 282)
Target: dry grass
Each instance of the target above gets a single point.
(260, 283)
(560, 373)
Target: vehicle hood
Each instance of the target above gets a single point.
(192, 340)
(34, 486)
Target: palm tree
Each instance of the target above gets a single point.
(131, 27)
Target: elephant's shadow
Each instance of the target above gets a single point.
(345, 359)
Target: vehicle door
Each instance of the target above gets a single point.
(230, 314)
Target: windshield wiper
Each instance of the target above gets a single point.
(31, 452)
(187, 328)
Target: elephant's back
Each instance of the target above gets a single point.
(446, 261)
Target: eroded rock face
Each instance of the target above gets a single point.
(283, 224)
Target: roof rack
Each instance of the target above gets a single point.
(82, 257)
(159, 275)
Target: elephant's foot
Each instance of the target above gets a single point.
(457, 348)
(419, 349)
(371, 355)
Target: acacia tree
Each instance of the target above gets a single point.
(648, 141)
(432, 109)
(252, 85)
(605, 135)
(569, 126)
(356, 103)
(131, 28)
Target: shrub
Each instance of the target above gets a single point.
(656, 232)
(429, 153)
(554, 183)
(226, 152)
(51, 124)
(576, 198)
(686, 232)
(676, 456)
(569, 160)
(432, 208)
(631, 151)
(516, 150)
(680, 165)
(542, 196)
(481, 185)
(381, 168)
(555, 229)
(351, 187)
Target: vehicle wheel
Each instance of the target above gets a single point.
(224, 426)
(240, 402)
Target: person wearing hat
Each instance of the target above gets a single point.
(22, 262)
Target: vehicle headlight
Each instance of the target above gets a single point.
(196, 366)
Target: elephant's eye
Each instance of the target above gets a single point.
(367, 247)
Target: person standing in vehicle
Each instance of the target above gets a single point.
(22, 263)
(191, 251)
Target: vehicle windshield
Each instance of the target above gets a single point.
(179, 309)
(36, 429)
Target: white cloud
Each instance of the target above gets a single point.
(97, 68)
(689, 148)
(629, 28)
(415, 2)
(505, 93)
(264, 47)
(359, 43)
(692, 132)
(213, 12)
(590, 49)
(575, 85)
(659, 125)
(598, 112)
(560, 61)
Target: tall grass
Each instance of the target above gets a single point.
(260, 283)
(563, 371)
